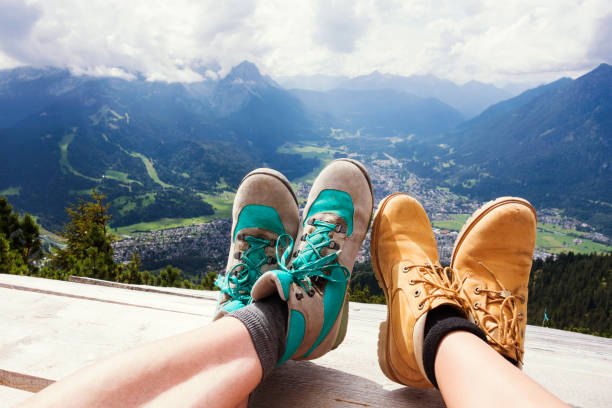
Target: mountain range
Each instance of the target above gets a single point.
(551, 144)
(162, 149)
(469, 99)
(154, 148)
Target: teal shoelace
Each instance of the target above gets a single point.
(237, 285)
(310, 262)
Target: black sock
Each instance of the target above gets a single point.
(266, 321)
(441, 321)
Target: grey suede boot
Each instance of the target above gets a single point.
(265, 207)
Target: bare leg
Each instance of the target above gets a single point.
(213, 366)
(472, 374)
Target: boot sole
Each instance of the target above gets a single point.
(276, 174)
(480, 213)
(384, 335)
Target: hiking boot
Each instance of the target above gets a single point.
(314, 272)
(493, 255)
(265, 207)
(406, 265)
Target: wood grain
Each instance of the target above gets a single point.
(48, 329)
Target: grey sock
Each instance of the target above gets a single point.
(266, 321)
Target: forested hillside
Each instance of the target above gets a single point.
(575, 291)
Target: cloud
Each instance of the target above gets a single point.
(16, 22)
(338, 26)
(185, 40)
(601, 44)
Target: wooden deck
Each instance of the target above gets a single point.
(50, 328)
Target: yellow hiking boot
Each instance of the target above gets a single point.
(493, 255)
(405, 261)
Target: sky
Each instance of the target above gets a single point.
(500, 42)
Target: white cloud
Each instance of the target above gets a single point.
(183, 40)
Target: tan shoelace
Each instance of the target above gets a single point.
(507, 323)
(443, 283)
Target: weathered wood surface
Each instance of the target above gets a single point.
(50, 328)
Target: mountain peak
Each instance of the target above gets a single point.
(603, 67)
(247, 71)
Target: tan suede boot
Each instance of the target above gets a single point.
(265, 207)
(314, 273)
(493, 255)
(405, 261)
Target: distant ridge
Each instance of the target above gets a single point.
(552, 144)
(470, 98)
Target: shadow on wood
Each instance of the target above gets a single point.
(306, 384)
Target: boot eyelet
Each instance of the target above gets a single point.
(420, 306)
(522, 300)
(411, 282)
(417, 293)
(477, 305)
(477, 290)
(299, 295)
(405, 268)
(311, 292)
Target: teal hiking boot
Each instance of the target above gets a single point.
(313, 273)
(265, 207)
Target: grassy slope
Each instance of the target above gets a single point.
(221, 203)
(325, 155)
(11, 191)
(64, 163)
(151, 170)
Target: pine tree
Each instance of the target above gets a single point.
(89, 250)
(21, 235)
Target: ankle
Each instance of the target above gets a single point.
(440, 322)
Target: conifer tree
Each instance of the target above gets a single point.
(22, 237)
(89, 250)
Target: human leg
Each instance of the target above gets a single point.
(472, 374)
(200, 367)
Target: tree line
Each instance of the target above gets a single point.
(87, 249)
(569, 292)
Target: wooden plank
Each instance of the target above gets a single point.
(51, 328)
(143, 288)
(23, 382)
